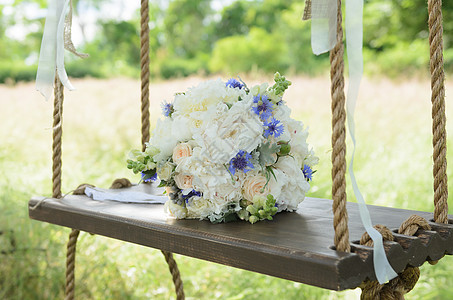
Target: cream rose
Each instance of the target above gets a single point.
(165, 171)
(184, 181)
(182, 150)
(254, 185)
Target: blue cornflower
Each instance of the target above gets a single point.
(274, 128)
(233, 83)
(167, 108)
(146, 178)
(191, 194)
(264, 107)
(241, 162)
(308, 172)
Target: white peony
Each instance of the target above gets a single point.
(290, 187)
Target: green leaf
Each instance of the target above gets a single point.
(162, 183)
(266, 150)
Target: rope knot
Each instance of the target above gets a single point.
(383, 230)
(80, 190)
(121, 183)
(412, 225)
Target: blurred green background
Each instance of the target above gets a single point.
(199, 39)
(211, 36)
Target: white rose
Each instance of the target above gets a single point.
(184, 181)
(165, 171)
(181, 151)
(199, 208)
(175, 210)
(254, 185)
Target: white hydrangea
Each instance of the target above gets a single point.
(229, 131)
(212, 179)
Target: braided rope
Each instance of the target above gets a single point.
(438, 111)
(70, 264)
(340, 219)
(56, 138)
(56, 183)
(307, 10)
(144, 75)
(175, 275)
(412, 224)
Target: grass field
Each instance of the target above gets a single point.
(101, 124)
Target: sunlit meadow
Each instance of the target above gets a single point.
(102, 123)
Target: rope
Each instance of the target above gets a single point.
(406, 280)
(383, 230)
(175, 275)
(412, 225)
(56, 138)
(120, 183)
(307, 10)
(80, 190)
(438, 111)
(70, 264)
(56, 183)
(144, 75)
(340, 219)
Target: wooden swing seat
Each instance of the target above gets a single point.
(296, 246)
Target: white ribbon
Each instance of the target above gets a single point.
(51, 56)
(354, 42)
(323, 25)
(124, 195)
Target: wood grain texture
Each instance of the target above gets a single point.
(295, 246)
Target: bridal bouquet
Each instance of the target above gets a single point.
(225, 151)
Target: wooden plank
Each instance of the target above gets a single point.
(295, 246)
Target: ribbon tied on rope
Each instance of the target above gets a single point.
(323, 14)
(56, 38)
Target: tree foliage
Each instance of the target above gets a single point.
(193, 36)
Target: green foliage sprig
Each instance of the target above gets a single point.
(261, 208)
(281, 84)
